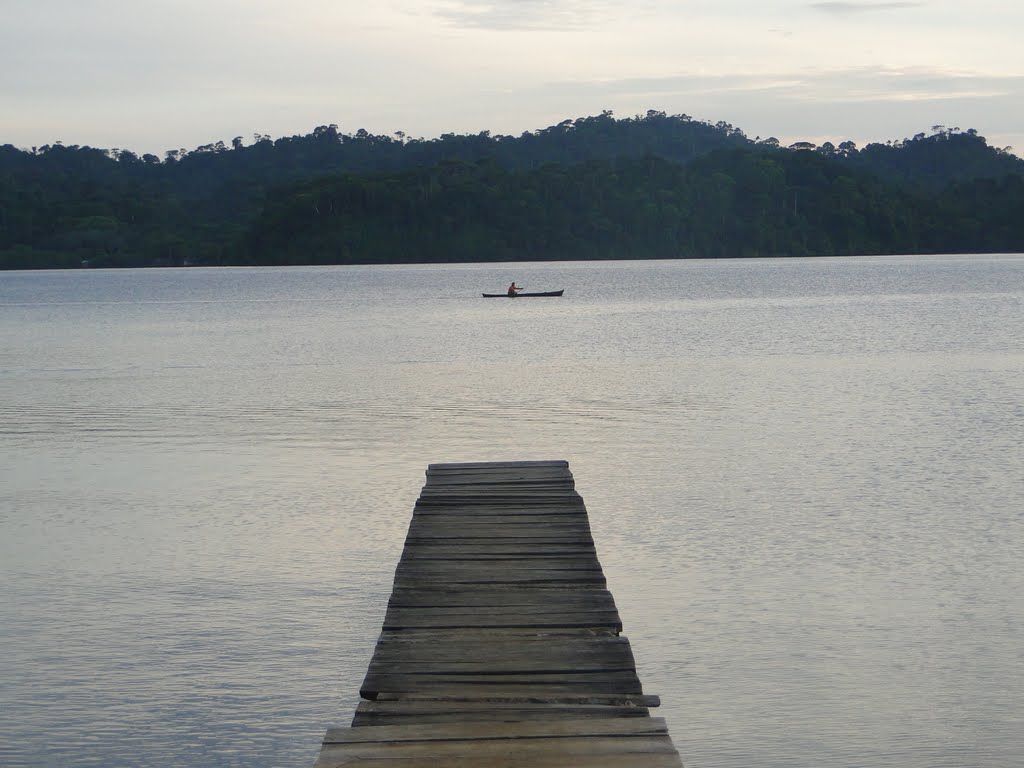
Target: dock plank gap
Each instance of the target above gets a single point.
(501, 646)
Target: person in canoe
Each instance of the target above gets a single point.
(513, 289)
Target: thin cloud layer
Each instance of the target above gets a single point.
(858, 7)
(511, 15)
(863, 84)
(865, 104)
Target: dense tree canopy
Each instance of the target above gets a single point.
(650, 186)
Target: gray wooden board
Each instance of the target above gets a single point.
(620, 683)
(505, 485)
(492, 506)
(495, 496)
(451, 669)
(485, 515)
(510, 486)
(399, 613)
(399, 645)
(651, 726)
(525, 474)
(518, 464)
(525, 478)
(503, 526)
(534, 577)
(419, 712)
(497, 553)
(495, 502)
(491, 537)
(471, 530)
(608, 619)
(572, 504)
(557, 596)
(520, 534)
(499, 545)
(555, 526)
(546, 615)
(432, 476)
(412, 564)
(522, 619)
(514, 482)
(537, 665)
(328, 759)
(504, 656)
(497, 487)
(465, 656)
(617, 681)
(498, 616)
(499, 475)
(481, 516)
(487, 751)
(478, 571)
(511, 580)
(540, 697)
(494, 543)
(478, 516)
(508, 560)
(492, 540)
(527, 638)
(496, 635)
(485, 499)
(528, 473)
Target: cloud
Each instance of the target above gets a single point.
(859, 103)
(860, 7)
(537, 15)
(857, 84)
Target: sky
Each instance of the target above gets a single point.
(155, 75)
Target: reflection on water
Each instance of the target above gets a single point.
(804, 477)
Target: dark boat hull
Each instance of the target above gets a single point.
(522, 295)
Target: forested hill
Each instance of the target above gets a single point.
(652, 186)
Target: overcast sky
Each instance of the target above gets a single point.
(153, 75)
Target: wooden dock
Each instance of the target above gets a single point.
(501, 644)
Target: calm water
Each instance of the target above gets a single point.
(805, 478)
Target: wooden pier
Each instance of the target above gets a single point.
(501, 644)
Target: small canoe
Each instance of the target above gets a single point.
(520, 295)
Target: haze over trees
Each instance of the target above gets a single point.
(649, 186)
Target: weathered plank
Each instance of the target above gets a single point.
(486, 752)
(410, 621)
(558, 596)
(478, 515)
(491, 465)
(563, 760)
(422, 712)
(650, 726)
(441, 567)
(498, 554)
(538, 697)
(536, 577)
(537, 665)
(572, 651)
(620, 682)
(505, 528)
(491, 536)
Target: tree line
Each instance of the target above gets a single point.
(650, 186)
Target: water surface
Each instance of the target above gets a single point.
(804, 478)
